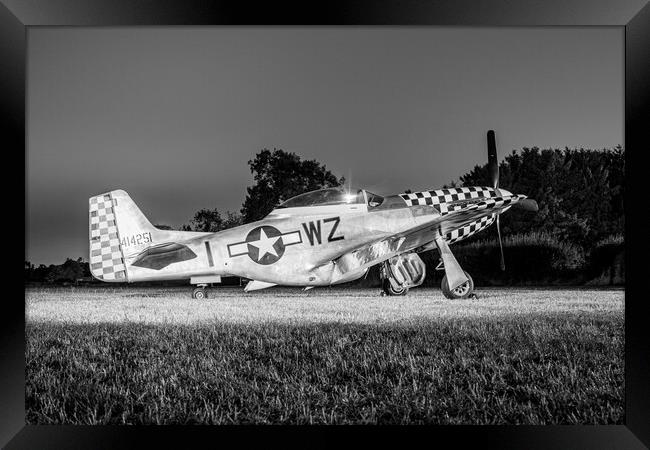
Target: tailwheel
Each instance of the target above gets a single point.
(388, 288)
(463, 291)
(200, 293)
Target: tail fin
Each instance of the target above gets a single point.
(116, 224)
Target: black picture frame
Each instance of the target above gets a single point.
(16, 16)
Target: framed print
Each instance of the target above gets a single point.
(348, 148)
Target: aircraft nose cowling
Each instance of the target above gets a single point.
(505, 193)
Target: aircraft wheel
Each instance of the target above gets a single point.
(199, 293)
(462, 291)
(389, 290)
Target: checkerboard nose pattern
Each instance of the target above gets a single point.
(106, 258)
(442, 197)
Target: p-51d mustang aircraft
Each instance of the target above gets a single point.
(320, 238)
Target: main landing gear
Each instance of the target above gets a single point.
(465, 290)
(456, 283)
(200, 292)
(400, 273)
(388, 288)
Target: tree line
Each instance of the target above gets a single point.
(580, 193)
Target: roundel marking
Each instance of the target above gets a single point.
(264, 244)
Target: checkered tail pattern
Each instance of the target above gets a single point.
(106, 258)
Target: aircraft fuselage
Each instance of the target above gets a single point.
(303, 246)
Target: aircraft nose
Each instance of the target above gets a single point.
(505, 193)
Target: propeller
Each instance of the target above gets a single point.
(493, 163)
(493, 172)
(526, 204)
(503, 261)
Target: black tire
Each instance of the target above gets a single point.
(388, 288)
(199, 293)
(463, 291)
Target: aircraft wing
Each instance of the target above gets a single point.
(386, 247)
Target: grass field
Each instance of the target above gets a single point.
(129, 355)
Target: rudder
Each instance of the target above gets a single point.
(106, 257)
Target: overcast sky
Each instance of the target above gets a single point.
(172, 115)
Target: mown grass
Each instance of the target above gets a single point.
(544, 368)
(165, 306)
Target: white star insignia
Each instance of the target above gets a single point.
(265, 245)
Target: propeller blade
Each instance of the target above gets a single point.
(503, 261)
(493, 163)
(527, 204)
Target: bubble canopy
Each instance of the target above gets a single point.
(328, 196)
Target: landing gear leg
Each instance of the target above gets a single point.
(388, 288)
(200, 292)
(456, 283)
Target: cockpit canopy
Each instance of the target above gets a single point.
(331, 196)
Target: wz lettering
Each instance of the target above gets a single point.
(136, 239)
(313, 230)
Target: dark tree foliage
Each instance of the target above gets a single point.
(232, 219)
(280, 175)
(70, 271)
(34, 273)
(579, 192)
(211, 221)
